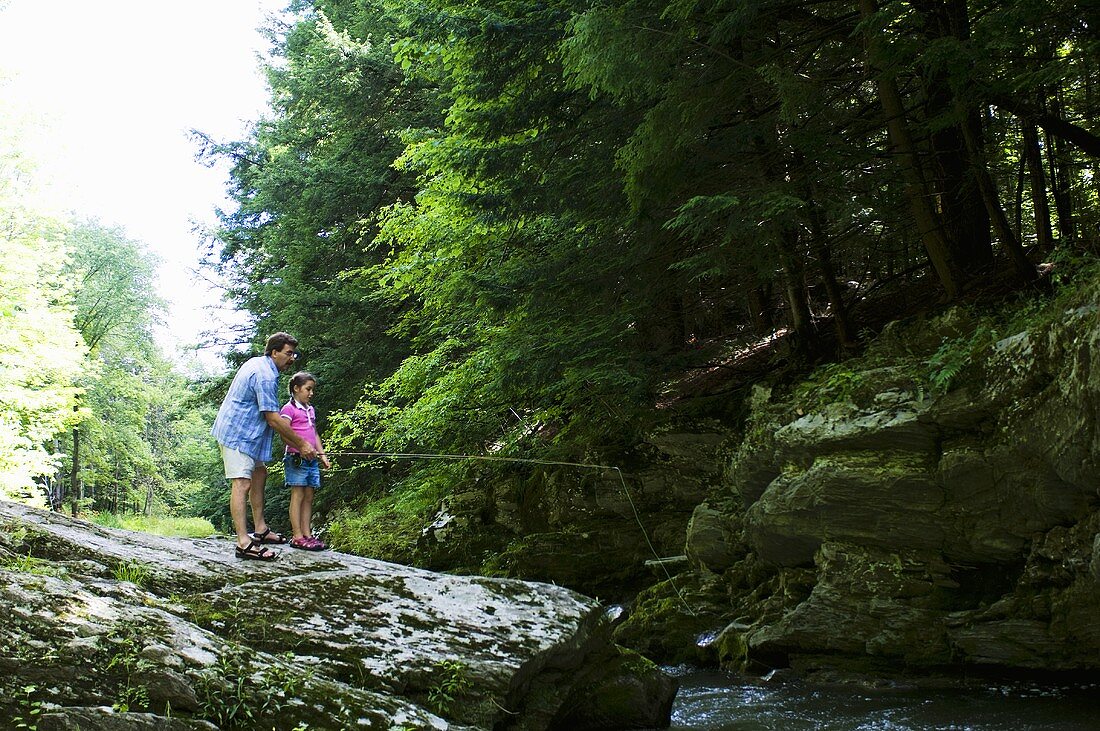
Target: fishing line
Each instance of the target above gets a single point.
(524, 460)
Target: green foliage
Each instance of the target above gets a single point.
(77, 306)
(497, 226)
(238, 693)
(171, 526)
(124, 661)
(41, 354)
(955, 354)
(29, 708)
(132, 571)
(388, 526)
(452, 685)
(114, 300)
(831, 383)
(132, 407)
(28, 564)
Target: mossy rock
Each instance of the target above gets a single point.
(607, 564)
(628, 691)
(674, 621)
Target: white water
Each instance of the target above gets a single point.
(714, 701)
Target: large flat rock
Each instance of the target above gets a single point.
(327, 639)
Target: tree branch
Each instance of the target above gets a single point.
(1086, 141)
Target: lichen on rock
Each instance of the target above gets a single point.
(327, 640)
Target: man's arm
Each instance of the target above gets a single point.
(282, 426)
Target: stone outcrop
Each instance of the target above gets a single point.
(592, 530)
(933, 505)
(109, 629)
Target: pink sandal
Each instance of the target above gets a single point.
(307, 543)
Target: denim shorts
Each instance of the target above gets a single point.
(308, 474)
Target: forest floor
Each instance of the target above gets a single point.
(723, 366)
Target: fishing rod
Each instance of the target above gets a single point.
(526, 460)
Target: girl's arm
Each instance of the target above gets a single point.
(282, 426)
(321, 453)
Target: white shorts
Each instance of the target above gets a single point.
(237, 463)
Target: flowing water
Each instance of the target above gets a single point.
(714, 701)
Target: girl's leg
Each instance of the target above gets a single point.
(305, 515)
(296, 499)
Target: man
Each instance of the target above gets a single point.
(244, 427)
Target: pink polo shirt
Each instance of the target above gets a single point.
(303, 420)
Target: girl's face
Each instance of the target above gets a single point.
(304, 393)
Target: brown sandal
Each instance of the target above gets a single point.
(268, 536)
(256, 552)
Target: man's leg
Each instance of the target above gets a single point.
(256, 496)
(238, 469)
(237, 500)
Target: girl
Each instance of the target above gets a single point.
(303, 476)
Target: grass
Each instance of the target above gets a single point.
(133, 572)
(161, 525)
(31, 565)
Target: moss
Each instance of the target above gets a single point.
(878, 466)
(732, 647)
(597, 563)
(234, 619)
(618, 700)
(670, 620)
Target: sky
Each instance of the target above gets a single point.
(113, 88)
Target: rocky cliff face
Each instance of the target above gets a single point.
(589, 529)
(108, 629)
(933, 506)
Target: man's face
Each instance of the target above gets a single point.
(283, 358)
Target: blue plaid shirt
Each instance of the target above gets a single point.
(240, 423)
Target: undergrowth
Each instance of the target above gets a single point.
(943, 369)
(388, 526)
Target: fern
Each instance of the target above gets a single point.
(955, 355)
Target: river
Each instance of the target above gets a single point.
(714, 701)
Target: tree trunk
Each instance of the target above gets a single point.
(952, 182)
(1018, 200)
(1034, 157)
(1052, 123)
(802, 335)
(759, 301)
(935, 242)
(74, 475)
(57, 497)
(996, 213)
(820, 245)
(1059, 181)
(664, 330)
(965, 220)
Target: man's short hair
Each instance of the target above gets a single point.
(278, 341)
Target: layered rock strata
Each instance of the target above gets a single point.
(870, 520)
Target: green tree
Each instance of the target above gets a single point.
(115, 308)
(308, 185)
(502, 225)
(41, 354)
